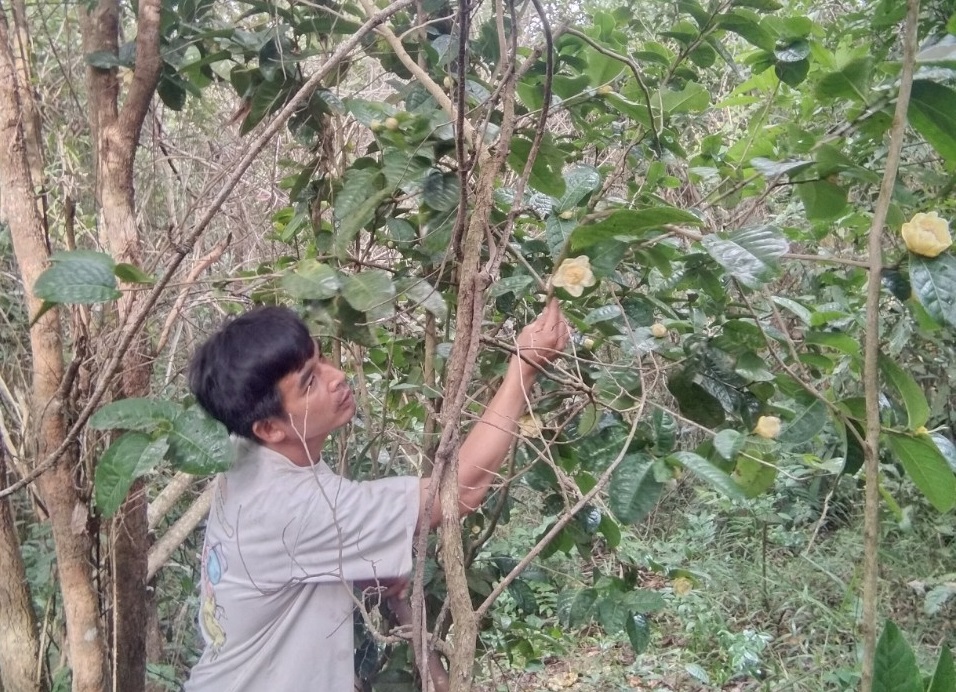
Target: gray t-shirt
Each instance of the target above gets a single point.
(283, 545)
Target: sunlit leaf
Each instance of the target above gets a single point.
(312, 280)
(822, 199)
(129, 457)
(749, 255)
(631, 224)
(932, 113)
(140, 414)
(371, 291)
(926, 467)
(917, 408)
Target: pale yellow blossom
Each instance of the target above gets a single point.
(574, 275)
(658, 330)
(768, 427)
(682, 586)
(927, 234)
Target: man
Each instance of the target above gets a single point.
(286, 537)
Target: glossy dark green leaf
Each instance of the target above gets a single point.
(199, 444)
(694, 401)
(822, 200)
(934, 285)
(633, 491)
(545, 171)
(917, 408)
(665, 431)
(693, 98)
(403, 169)
(638, 633)
(523, 596)
(746, 25)
(78, 277)
(441, 191)
(772, 169)
(706, 471)
(853, 458)
(355, 205)
(140, 414)
(749, 255)
(792, 73)
(810, 419)
(894, 666)
(312, 280)
(105, 60)
(932, 113)
(129, 457)
(926, 467)
(630, 224)
(580, 180)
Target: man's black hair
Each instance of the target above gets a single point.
(235, 374)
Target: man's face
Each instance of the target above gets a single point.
(316, 399)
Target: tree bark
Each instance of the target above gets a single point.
(116, 134)
(19, 641)
(68, 511)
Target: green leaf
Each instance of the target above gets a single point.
(132, 274)
(79, 277)
(894, 666)
(811, 418)
(927, 468)
(934, 284)
(706, 471)
(917, 409)
(267, 97)
(851, 81)
(105, 60)
(628, 224)
(423, 293)
(795, 51)
(665, 431)
(131, 456)
(442, 191)
(140, 414)
(546, 171)
(728, 443)
(944, 677)
(822, 200)
(638, 632)
(693, 98)
(557, 231)
(755, 475)
(932, 113)
(311, 280)
(371, 292)
(579, 181)
(199, 444)
(633, 491)
(694, 401)
(356, 203)
(402, 169)
(749, 255)
(792, 73)
(946, 448)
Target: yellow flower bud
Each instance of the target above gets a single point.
(605, 90)
(391, 124)
(927, 234)
(658, 330)
(768, 427)
(574, 275)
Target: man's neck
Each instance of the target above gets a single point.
(297, 451)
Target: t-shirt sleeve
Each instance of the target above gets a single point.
(352, 530)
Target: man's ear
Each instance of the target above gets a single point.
(269, 431)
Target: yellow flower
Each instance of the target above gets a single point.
(573, 275)
(658, 330)
(927, 234)
(768, 427)
(529, 426)
(682, 586)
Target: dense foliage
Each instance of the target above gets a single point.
(695, 182)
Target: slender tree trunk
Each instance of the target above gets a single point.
(116, 136)
(19, 642)
(68, 511)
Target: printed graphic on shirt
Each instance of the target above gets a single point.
(211, 614)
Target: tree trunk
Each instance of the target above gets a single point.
(68, 511)
(19, 642)
(116, 136)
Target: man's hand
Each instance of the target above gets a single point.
(544, 339)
